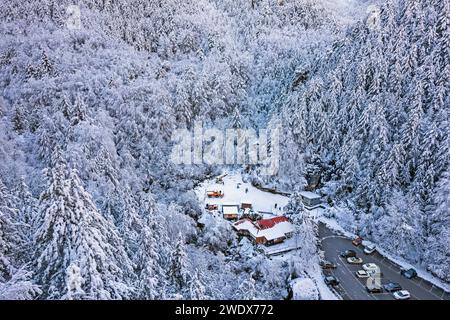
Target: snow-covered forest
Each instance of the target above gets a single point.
(372, 113)
(92, 208)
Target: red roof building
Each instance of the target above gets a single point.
(266, 231)
(270, 223)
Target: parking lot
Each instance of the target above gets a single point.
(353, 288)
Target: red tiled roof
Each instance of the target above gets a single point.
(269, 223)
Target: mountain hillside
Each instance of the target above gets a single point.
(372, 114)
(90, 205)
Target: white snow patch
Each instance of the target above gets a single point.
(304, 289)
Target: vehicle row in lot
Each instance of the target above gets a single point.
(370, 273)
(370, 270)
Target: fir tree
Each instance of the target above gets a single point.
(72, 231)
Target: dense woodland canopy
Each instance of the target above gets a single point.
(373, 115)
(92, 208)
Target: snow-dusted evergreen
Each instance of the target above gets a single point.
(374, 110)
(91, 207)
(74, 240)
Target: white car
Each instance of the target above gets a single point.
(371, 267)
(369, 249)
(362, 274)
(402, 295)
(354, 260)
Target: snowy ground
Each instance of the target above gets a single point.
(262, 201)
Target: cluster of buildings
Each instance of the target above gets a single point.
(262, 227)
(265, 231)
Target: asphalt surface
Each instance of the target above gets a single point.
(353, 288)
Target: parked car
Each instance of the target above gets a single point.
(392, 287)
(362, 274)
(409, 273)
(369, 249)
(402, 295)
(357, 241)
(331, 281)
(354, 260)
(348, 254)
(374, 288)
(371, 267)
(327, 265)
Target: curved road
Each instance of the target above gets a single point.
(353, 288)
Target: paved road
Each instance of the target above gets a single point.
(353, 288)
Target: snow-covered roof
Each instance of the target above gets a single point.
(278, 230)
(230, 209)
(246, 201)
(244, 224)
(310, 195)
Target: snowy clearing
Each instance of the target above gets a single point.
(261, 201)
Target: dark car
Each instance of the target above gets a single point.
(392, 287)
(331, 281)
(374, 288)
(327, 265)
(348, 254)
(409, 273)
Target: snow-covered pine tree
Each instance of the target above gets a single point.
(437, 242)
(74, 282)
(7, 233)
(26, 206)
(147, 263)
(236, 119)
(247, 288)
(178, 272)
(197, 290)
(19, 286)
(72, 231)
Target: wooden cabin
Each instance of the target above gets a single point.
(230, 212)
